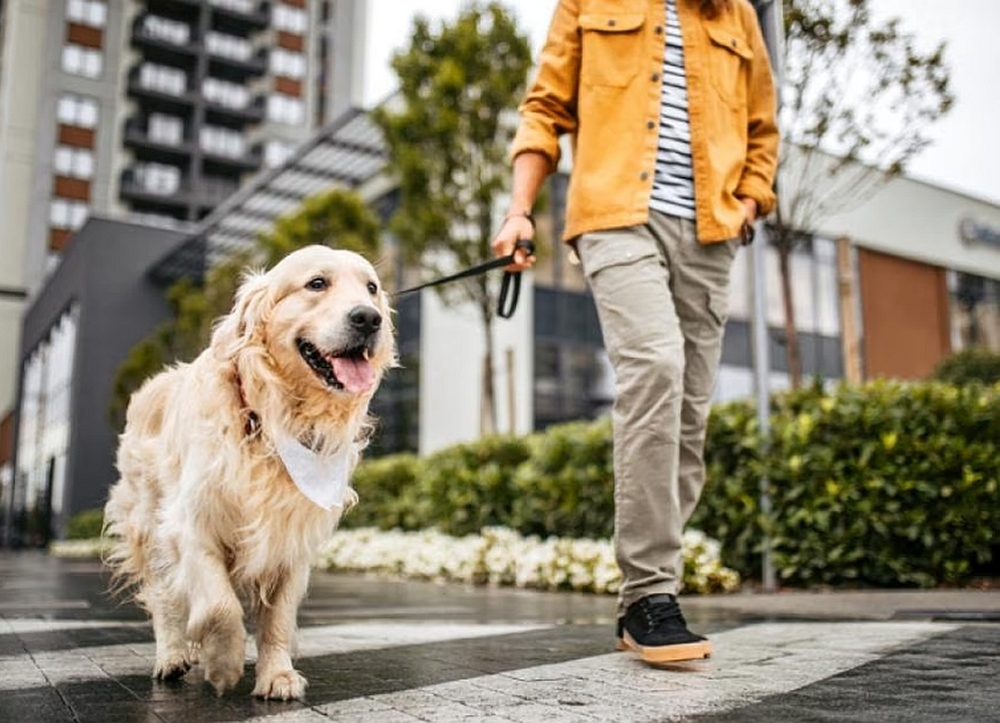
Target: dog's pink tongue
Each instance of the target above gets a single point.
(357, 375)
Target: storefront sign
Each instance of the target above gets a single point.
(979, 233)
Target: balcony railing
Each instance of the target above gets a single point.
(162, 39)
(158, 147)
(208, 193)
(171, 90)
(240, 15)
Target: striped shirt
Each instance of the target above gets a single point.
(673, 181)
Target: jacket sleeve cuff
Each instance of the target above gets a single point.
(763, 194)
(533, 136)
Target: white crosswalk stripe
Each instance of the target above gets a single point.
(749, 664)
(97, 662)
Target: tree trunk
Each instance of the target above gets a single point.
(792, 351)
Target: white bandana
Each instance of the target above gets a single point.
(321, 478)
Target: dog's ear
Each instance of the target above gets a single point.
(235, 330)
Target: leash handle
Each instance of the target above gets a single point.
(511, 284)
(510, 287)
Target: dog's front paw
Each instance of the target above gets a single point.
(171, 667)
(222, 658)
(284, 685)
(223, 675)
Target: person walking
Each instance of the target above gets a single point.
(671, 108)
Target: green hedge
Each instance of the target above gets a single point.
(85, 525)
(882, 484)
(973, 364)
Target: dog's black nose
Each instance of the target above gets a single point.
(365, 319)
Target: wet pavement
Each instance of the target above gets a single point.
(388, 651)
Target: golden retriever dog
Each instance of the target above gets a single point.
(234, 468)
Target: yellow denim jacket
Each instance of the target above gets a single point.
(599, 79)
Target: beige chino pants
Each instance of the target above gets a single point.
(661, 298)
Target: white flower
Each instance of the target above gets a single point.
(500, 556)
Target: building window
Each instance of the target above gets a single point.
(228, 46)
(572, 378)
(240, 6)
(231, 95)
(171, 31)
(222, 141)
(288, 18)
(75, 110)
(975, 311)
(43, 438)
(159, 178)
(285, 109)
(277, 152)
(163, 78)
(73, 162)
(166, 129)
(66, 214)
(87, 12)
(289, 64)
(78, 60)
(159, 220)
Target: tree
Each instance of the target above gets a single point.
(858, 97)
(337, 218)
(448, 133)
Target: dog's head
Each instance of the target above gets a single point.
(319, 313)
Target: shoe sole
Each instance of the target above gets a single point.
(666, 653)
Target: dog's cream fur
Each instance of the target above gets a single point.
(205, 517)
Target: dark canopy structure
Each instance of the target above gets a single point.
(346, 153)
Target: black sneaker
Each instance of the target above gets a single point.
(619, 633)
(654, 627)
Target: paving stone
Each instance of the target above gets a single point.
(383, 652)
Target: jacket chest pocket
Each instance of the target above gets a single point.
(728, 62)
(611, 48)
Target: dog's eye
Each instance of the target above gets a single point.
(372, 288)
(317, 284)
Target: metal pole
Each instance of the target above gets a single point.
(770, 14)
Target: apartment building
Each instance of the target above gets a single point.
(153, 111)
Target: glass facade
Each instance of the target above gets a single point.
(813, 275)
(572, 376)
(396, 405)
(975, 311)
(43, 436)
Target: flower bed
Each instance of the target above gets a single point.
(500, 556)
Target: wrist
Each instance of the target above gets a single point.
(520, 214)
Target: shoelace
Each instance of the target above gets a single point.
(662, 613)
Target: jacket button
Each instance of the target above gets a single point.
(650, 124)
(658, 30)
(611, 22)
(654, 77)
(643, 176)
(734, 42)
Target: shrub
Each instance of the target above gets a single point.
(467, 487)
(85, 525)
(566, 487)
(386, 487)
(883, 484)
(973, 364)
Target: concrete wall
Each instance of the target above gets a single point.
(21, 70)
(920, 221)
(452, 347)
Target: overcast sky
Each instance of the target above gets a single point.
(966, 153)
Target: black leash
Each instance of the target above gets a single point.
(509, 287)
